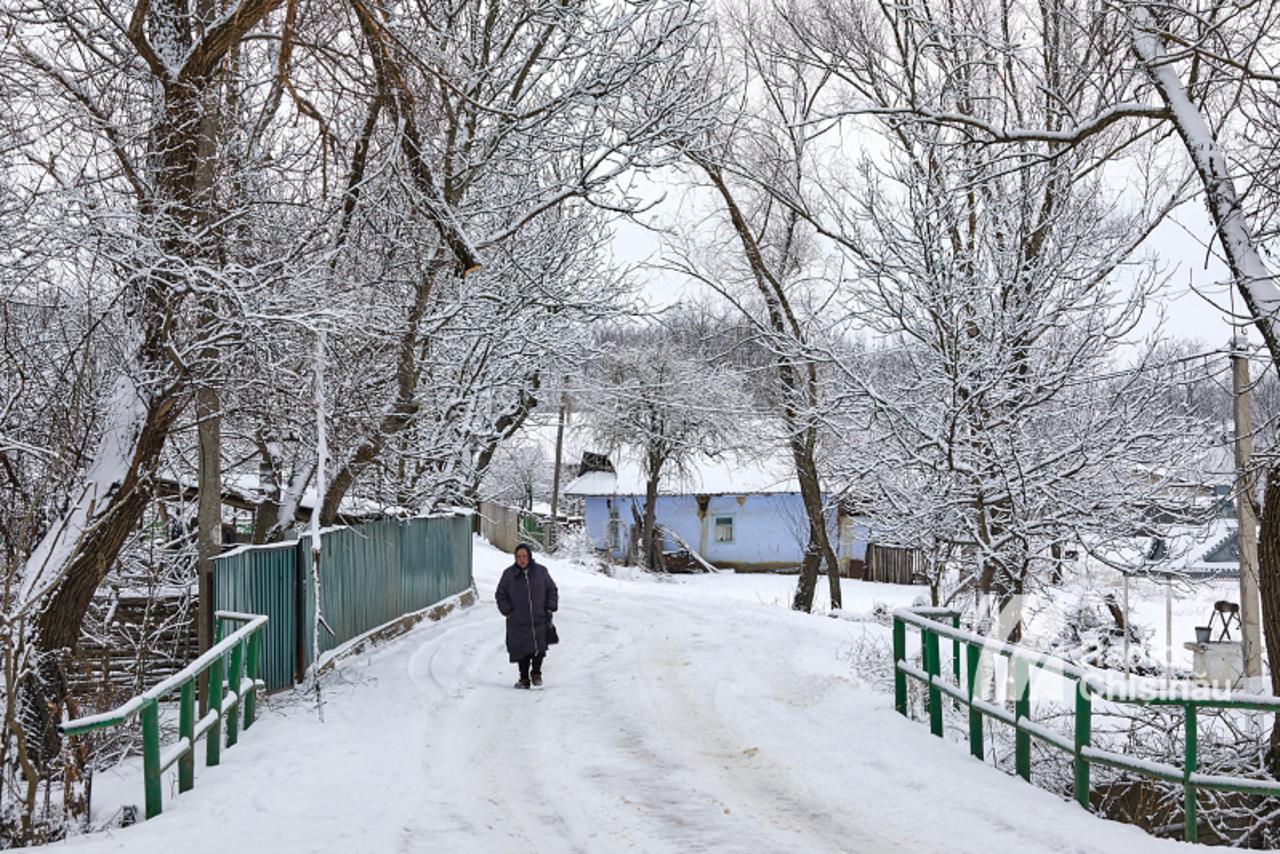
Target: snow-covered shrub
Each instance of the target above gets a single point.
(1090, 635)
(870, 658)
(881, 614)
(575, 546)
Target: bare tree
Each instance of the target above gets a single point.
(765, 152)
(668, 407)
(522, 122)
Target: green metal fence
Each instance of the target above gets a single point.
(370, 574)
(232, 664)
(960, 684)
(263, 580)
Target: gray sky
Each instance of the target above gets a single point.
(1196, 300)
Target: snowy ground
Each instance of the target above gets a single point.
(690, 715)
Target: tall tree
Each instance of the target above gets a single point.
(764, 152)
(991, 270)
(523, 122)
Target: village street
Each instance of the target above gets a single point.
(675, 718)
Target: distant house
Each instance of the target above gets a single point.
(1205, 552)
(734, 514)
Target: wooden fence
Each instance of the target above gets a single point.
(500, 525)
(892, 565)
(134, 638)
(507, 527)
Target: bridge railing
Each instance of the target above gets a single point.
(232, 664)
(935, 624)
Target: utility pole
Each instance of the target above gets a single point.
(1248, 531)
(550, 537)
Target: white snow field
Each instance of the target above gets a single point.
(693, 715)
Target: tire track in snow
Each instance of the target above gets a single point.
(626, 748)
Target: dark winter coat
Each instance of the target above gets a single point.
(524, 598)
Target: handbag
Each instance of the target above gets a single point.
(552, 635)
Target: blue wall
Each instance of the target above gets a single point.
(767, 529)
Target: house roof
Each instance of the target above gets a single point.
(1207, 551)
(244, 491)
(1189, 551)
(726, 474)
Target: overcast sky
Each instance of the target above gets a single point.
(1195, 301)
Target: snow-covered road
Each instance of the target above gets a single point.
(677, 717)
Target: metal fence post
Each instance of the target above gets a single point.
(955, 647)
(974, 655)
(1189, 832)
(151, 757)
(899, 656)
(1022, 710)
(187, 730)
(932, 667)
(1084, 722)
(213, 741)
(234, 680)
(253, 663)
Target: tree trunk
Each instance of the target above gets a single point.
(404, 408)
(1269, 590)
(267, 512)
(819, 548)
(208, 512)
(79, 554)
(63, 573)
(650, 548)
(799, 382)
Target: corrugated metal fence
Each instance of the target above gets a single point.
(370, 575)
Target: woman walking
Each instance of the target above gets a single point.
(527, 597)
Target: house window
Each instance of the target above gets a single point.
(724, 529)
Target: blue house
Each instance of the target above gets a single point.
(740, 515)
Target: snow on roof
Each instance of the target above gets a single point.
(247, 487)
(1185, 551)
(726, 474)
(1203, 551)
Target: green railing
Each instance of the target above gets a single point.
(1089, 686)
(232, 664)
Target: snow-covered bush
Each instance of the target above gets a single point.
(575, 546)
(1090, 635)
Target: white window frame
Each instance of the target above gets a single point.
(733, 532)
